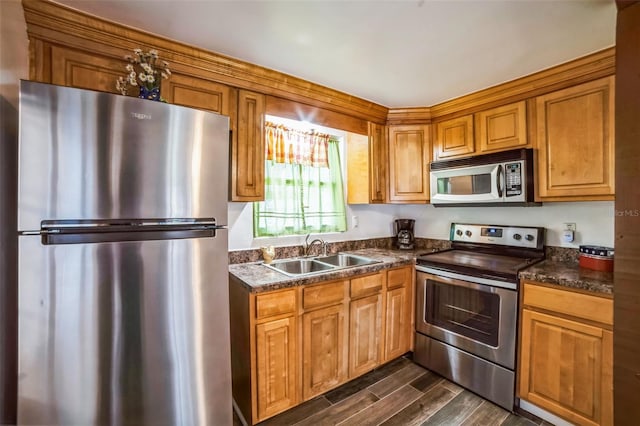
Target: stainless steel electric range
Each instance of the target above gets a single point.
(467, 306)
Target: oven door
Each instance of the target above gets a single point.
(477, 318)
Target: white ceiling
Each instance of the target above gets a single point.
(394, 53)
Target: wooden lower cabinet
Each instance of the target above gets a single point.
(290, 345)
(276, 356)
(324, 350)
(566, 362)
(365, 318)
(398, 328)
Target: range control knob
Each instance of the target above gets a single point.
(459, 232)
(467, 233)
(517, 237)
(529, 237)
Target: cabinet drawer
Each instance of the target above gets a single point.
(398, 277)
(275, 303)
(585, 306)
(323, 295)
(364, 286)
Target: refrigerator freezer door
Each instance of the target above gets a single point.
(93, 155)
(124, 333)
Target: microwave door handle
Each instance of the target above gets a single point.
(500, 180)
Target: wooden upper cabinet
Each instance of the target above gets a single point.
(377, 163)
(409, 157)
(197, 93)
(501, 128)
(75, 68)
(366, 166)
(575, 138)
(454, 138)
(247, 149)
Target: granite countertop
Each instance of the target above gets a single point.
(258, 278)
(569, 274)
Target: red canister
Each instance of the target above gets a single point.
(597, 258)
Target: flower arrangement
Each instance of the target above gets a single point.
(146, 71)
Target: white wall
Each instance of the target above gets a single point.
(594, 222)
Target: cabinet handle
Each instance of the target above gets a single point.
(638, 376)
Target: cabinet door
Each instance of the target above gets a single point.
(575, 137)
(75, 68)
(454, 138)
(276, 359)
(502, 128)
(324, 348)
(377, 163)
(364, 332)
(247, 153)
(566, 368)
(397, 323)
(409, 158)
(197, 93)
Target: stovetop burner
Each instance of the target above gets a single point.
(488, 251)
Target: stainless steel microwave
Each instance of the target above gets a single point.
(499, 179)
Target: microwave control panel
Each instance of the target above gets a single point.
(513, 179)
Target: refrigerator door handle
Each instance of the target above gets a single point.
(93, 226)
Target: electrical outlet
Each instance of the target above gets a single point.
(570, 226)
(354, 221)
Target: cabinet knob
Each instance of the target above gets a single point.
(638, 376)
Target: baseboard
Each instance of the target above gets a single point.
(543, 414)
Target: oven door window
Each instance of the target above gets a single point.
(465, 311)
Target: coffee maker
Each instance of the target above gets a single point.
(404, 234)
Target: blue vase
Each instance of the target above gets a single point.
(151, 94)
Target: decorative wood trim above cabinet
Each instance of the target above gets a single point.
(57, 24)
(415, 115)
(580, 70)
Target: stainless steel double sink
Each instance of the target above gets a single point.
(308, 266)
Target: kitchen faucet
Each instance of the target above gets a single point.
(307, 245)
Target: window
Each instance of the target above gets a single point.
(304, 192)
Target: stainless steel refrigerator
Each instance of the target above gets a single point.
(123, 310)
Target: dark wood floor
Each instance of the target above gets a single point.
(398, 393)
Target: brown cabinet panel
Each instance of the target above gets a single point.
(276, 357)
(247, 151)
(275, 303)
(409, 157)
(398, 313)
(324, 350)
(454, 138)
(575, 138)
(365, 319)
(502, 128)
(367, 166)
(377, 163)
(369, 284)
(397, 323)
(75, 68)
(566, 368)
(325, 294)
(197, 93)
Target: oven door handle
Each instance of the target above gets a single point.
(464, 280)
